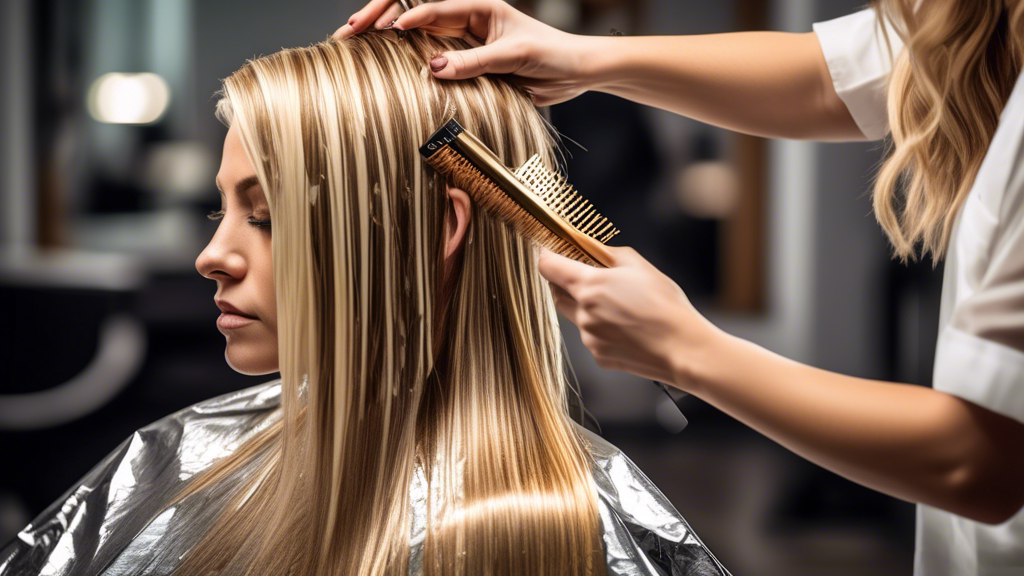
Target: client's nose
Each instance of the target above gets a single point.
(220, 260)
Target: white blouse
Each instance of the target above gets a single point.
(979, 355)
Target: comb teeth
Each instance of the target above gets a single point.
(560, 197)
(495, 202)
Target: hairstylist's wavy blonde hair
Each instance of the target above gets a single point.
(459, 375)
(946, 93)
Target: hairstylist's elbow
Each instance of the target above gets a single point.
(995, 508)
(988, 485)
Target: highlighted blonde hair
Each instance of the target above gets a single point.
(946, 93)
(458, 374)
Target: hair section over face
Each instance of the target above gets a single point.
(390, 367)
(946, 93)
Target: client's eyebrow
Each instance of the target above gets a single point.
(243, 185)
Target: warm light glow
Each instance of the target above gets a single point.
(118, 98)
(709, 189)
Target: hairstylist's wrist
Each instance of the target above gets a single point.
(699, 358)
(594, 62)
(612, 65)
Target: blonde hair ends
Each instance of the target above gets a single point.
(946, 93)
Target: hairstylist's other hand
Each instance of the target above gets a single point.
(631, 317)
(547, 61)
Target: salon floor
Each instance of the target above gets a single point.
(762, 510)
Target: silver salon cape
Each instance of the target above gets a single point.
(113, 521)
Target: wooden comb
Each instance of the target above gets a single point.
(539, 203)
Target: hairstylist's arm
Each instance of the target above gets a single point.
(908, 441)
(764, 83)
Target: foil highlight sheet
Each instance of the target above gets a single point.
(115, 521)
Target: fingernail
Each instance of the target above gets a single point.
(438, 63)
(352, 20)
(395, 25)
(391, 24)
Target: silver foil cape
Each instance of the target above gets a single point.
(113, 521)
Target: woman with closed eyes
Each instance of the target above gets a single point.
(421, 422)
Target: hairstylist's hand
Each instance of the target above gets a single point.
(631, 317)
(547, 61)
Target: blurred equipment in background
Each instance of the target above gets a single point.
(709, 187)
(71, 310)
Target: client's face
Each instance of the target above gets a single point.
(238, 258)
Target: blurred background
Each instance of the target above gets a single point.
(110, 147)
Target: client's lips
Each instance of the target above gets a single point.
(231, 316)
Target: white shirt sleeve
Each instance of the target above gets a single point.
(859, 62)
(980, 352)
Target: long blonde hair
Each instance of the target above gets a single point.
(946, 93)
(458, 375)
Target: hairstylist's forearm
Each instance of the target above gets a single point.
(908, 441)
(768, 84)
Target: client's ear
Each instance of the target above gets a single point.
(457, 220)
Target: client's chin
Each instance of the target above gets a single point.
(251, 358)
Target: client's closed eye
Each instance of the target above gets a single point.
(258, 223)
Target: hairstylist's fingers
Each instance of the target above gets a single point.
(369, 14)
(388, 16)
(565, 304)
(417, 16)
(563, 272)
(622, 255)
(343, 32)
(469, 16)
(490, 59)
